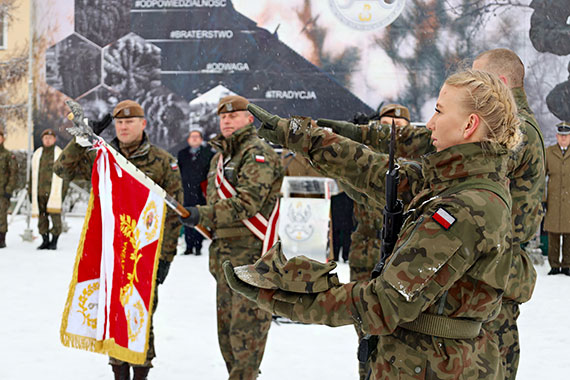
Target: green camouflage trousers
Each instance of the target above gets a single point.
(364, 254)
(4, 206)
(242, 326)
(506, 333)
(43, 219)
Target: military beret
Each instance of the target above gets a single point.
(395, 110)
(127, 109)
(563, 128)
(232, 103)
(299, 274)
(48, 132)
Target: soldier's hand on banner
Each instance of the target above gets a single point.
(83, 141)
(273, 127)
(162, 272)
(237, 285)
(99, 126)
(192, 219)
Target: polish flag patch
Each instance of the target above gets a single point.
(443, 218)
(259, 158)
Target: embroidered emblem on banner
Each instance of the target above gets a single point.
(443, 218)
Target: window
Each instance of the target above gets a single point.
(3, 34)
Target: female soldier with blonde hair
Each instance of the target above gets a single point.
(450, 265)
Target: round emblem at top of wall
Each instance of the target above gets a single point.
(367, 14)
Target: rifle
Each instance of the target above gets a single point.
(82, 129)
(393, 218)
(393, 210)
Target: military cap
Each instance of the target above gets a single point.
(299, 274)
(127, 109)
(563, 128)
(395, 110)
(48, 132)
(232, 103)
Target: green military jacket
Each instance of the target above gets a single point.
(253, 168)
(76, 162)
(526, 171)
(9, 170)
(460, 271)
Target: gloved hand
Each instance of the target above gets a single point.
(343, 128)
(192, 219)
(8, 196)
(273, 128)
(99, 126)
(162, 272)
(237, 285)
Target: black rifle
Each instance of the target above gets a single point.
(393, 217)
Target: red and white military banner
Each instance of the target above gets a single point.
(266, 230)
(110, 300)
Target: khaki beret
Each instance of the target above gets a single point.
(232, 103)
(127, 109)
(563, 128)
(299, 274)
(48, 132)
(395, 110)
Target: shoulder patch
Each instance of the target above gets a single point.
(259, 158)
(443, 218)
(174, 165)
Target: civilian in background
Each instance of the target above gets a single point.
(194, 162)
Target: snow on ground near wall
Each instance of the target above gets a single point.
(34, 287)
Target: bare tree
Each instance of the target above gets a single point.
(13, 70)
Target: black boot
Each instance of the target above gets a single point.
(140, 373)
(53, 242)
(121, 371)
(565, 271)
(2, 239)
(45, 243)
(554, 271)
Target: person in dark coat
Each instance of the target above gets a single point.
(342, 224)
(194, 162)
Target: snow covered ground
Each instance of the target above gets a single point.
(34, 288)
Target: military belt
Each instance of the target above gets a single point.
(222, 233)
(444, 327)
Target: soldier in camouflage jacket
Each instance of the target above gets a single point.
(9, 170)
(254, 170)
(76, 162)
(451, 263)
(526, 171)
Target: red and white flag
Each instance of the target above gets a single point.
(109, 305)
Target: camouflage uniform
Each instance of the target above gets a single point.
(526, 171)
(45, 173)
(366, 241)
(457, 274)
(76, 162)
(242, 326)
(9, 170)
